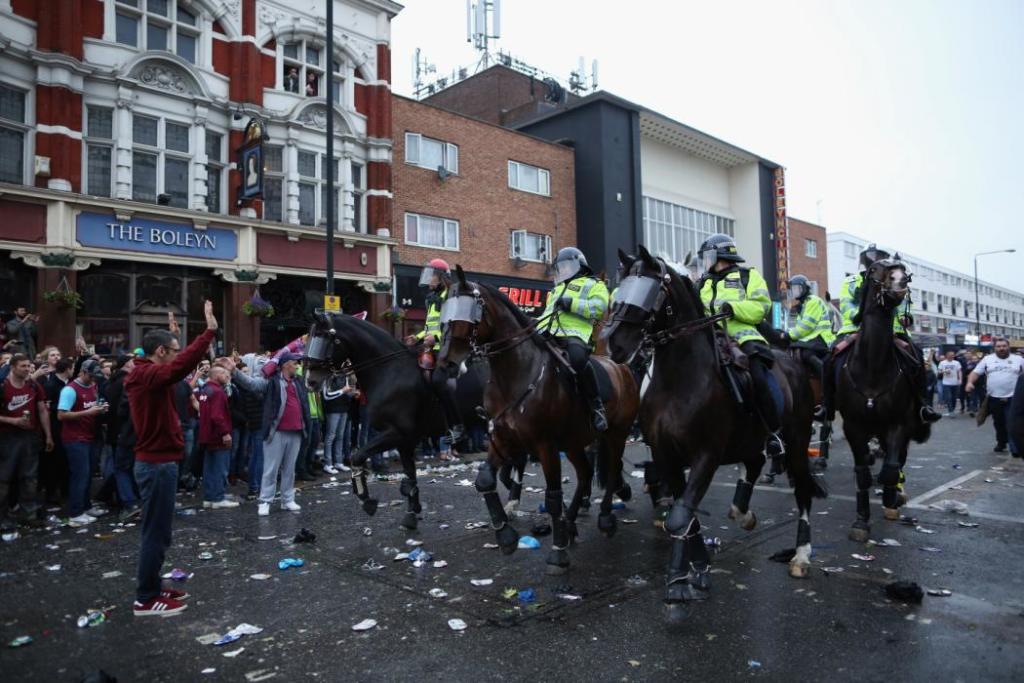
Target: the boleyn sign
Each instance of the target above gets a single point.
(156, 237)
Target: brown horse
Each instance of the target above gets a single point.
(535, 408)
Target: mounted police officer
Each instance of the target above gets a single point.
(576, 303)
(742, 293)
(813, 327)
(849, 309)
(436, 277)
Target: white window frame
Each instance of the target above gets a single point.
(543, 178)
(810, 248)
(218, 165)
(444, 231)
(518, 240)
(277, 176)
(163, 154)
(678, 230)
(139, 10)
(358, 193)
(92, 140)
(449, 153)
(304, 68)
(21, 127)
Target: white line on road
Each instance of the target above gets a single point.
(915, 502)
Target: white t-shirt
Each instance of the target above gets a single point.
(949, 371)
(1002, 373)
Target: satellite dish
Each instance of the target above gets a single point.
(443, 172)
(555, 92)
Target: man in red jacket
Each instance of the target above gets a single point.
(158, 448)
(215, 437)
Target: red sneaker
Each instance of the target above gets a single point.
(158, 607)
(172, 594)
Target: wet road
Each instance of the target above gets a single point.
(758, 622)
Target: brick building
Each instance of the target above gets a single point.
(119, 126)
(499, 202)
(808, 254)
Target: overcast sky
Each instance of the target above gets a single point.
(896, 121)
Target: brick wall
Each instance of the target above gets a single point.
(479, 196)
(816, 269)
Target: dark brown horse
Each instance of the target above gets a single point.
(690, 418)
(534, 408)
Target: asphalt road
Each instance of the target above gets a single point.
(758, 622)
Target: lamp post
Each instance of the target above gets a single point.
(977, 306)
(329, 175)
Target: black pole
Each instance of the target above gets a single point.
(977, 309)
(329, 176)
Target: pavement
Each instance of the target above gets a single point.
(757, 623)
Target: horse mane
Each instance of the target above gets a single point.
(379, 335)
(520, 317)
(682, 281)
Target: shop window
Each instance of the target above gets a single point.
(273, 183)
(530, 246)
(13, 133)
(161, 292)
(214, 171)
(99, 150)
(675, 230)
(430, 231)
(529, 178)
(429, 153)
(105, 294)
(17, 287)
(161, 157)
(158, 25)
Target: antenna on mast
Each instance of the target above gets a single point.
(420, 68)
(578, 79)
(478, 16)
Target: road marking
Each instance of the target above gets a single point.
(914, 502)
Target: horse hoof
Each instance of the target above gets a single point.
(370, 506)
(508, 539)
(892, 514)
(799, 570)
(859, 534)
(699, 585)
(409, 521)
(748, 521)
(511, 507)
(675, 613)
(901, 499)
(573, 531)
(624, 493)
(606, 524)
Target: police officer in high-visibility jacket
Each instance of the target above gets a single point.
(722, 290)
(576, 303)
(436, 277)
(849, 308)
(813, 327)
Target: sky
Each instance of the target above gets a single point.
(900, 122)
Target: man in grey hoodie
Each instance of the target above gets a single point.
(285, 421)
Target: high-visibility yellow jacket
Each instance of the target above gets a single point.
(433, 322)
(813, 321)
(589, 302)
(849, 306)
(749, 305)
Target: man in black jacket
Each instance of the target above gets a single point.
(53, 466)
(121, 438)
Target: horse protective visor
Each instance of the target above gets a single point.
(641, 292)
(318, 348)
(462, 308)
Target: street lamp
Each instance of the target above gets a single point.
(977, 307)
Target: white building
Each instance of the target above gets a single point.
(943, 299)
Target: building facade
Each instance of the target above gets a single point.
(641, 177)
(498, 202)
(808, 254)
(943, 299)
(119, 124)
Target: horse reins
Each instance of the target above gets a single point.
(684, 329)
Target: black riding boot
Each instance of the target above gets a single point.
(588, 383)
(927, 413)
(774, 447)
(446, 395)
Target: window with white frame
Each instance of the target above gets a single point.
(322, 193)
(308, 181)
(303, 64)
(99, 150)
(677, 230)
(529, 178)
(431, 231)
(530, 246)
(158, 25)
(214, 171)
(161, 157)
(849, 250)
(430, 153)
(811, 248)
(358, 190)
(13, 133)
(273, 183)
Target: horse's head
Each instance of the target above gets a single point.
(325, 351)
(639, 299)
(887, 283)
(462, 319)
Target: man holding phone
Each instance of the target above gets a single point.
(77, 411)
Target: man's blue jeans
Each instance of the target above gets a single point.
(949, 394)
(158, 483)
(79, 465)
(215, 473)
(124, 460)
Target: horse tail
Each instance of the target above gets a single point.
(922, 433)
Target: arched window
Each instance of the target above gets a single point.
(158, 25)
(303, 65)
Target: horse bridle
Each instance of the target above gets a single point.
(492, 348)
(345, 367)
(883, 289)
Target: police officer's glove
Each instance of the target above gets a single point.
(781, 339)
(564, 303)
(726, 308)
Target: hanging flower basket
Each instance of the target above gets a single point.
(258, 307)
(394, 314)
(64, 296)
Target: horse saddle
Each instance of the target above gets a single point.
(566, 375)
(735, 367)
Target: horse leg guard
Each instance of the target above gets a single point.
(411, 491)
(361, 491)
(507, 537)
(740, 508)
(862, 527)
(625, 492)
(889, 478)
(800, 565)
(558, 558)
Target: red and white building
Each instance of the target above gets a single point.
(108, 105)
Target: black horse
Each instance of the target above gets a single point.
(401, 405)
(876, 395)
(690, 418)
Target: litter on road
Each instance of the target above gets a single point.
(365, 625)
(457, 624)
